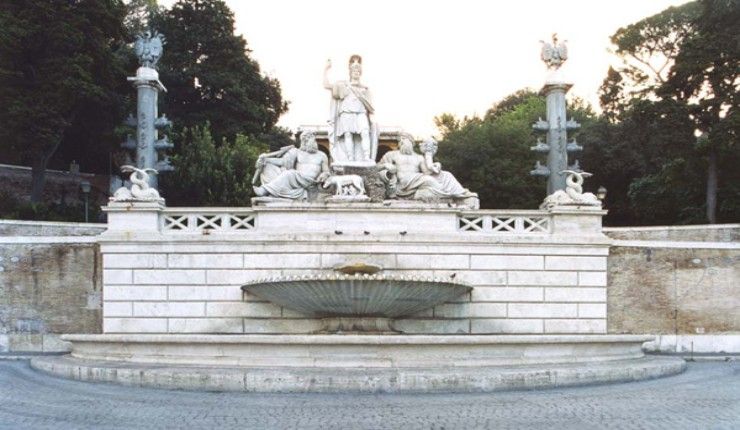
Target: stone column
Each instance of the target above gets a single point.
(557, 137)
(148, 87)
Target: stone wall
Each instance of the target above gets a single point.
(50, 229)
(680, 283)
(681, 233)
(674, 290)
(686, 292)
(180, 271)
(49, 285)
(60, 187)
(195, 288)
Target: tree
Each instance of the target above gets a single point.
(209, 74)
(492, 156)
(211, 174)
(706, 77)
(58, 73)
(649, 47)
(679, 77)
(138, 15)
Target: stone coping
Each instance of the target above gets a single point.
(654, 243)
(101, 226)
(673, 227)
(354, 237)
(27, 240)
(360, 380)
(353, 339)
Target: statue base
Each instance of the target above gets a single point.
(352, 163)
(347, 199)
(374, 186)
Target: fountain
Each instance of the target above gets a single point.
(359, 300)
(359, 275)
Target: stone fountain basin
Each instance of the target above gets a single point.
(356, 296)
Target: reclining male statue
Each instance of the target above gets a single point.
(290, 172)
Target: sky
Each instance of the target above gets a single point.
(425, 58)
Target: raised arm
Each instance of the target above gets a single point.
(328, 85)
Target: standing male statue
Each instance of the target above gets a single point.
(353, 136)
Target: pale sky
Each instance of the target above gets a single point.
(421, 59)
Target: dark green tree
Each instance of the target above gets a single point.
(679, 78)
(706, 78)
(209, 74)
(492, 156)
(210, 174)
(138, 15)
(60, 78)
(648, 49)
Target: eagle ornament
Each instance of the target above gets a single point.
(554, 54)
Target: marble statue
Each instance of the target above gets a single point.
(140, 190)
(554, 54)
(291, 172)
(417, 177)
(345, 185)
(353, 136)
(573, 194)
(148, 48)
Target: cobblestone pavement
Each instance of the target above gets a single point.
(706, 396)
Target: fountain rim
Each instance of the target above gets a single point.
(400, 280)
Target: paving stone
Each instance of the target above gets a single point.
(706, 396)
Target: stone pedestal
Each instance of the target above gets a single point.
(374, 186)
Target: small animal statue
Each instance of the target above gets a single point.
(346, 185)
(573, 194)
(574, 182)
(140, 190)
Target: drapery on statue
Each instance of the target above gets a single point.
(148, 48)
(412, 176)
(554, 54)
(290, 172)
(353, 135)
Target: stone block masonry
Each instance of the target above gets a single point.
(683, 291)
(189, 282)
(50, 283)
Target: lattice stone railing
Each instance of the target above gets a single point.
(505, 222)
(223, 220)
(198, 220)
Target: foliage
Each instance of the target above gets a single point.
(210, 75)
(680, 76)
(492, 156)
(13, 208)
(138, 15)
(648, 48)
(59, 77)
(209, 174)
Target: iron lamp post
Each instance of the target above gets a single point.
(85, 187)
